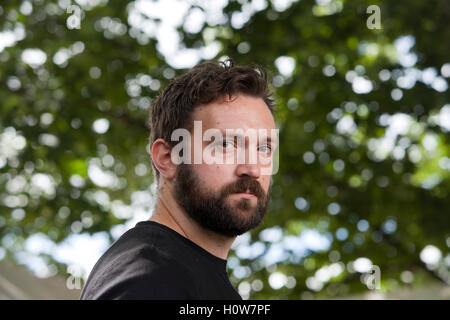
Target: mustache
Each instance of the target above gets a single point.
(242, 185)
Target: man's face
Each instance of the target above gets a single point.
(229, 198)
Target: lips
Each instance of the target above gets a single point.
(247, 194)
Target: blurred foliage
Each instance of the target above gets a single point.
(334, 172)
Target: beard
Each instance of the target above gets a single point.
(212, 211)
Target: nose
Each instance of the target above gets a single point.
(248, 163)
(248, 169)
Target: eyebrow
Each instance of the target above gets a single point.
(267, 138)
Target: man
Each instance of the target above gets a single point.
(202, 206)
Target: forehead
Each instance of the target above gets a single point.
(241, 112)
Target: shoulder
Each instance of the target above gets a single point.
(164, 279)
(140, 271)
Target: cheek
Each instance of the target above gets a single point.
(265, 183)
(214, 175)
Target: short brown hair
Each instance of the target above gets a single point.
(203, 84)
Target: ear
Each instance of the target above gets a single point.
(161, 157)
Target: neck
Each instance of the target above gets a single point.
(168, 213)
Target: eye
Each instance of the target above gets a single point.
(227, 143)
(265, 148)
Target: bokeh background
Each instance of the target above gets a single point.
(364, 118)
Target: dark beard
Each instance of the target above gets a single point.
(211, 211)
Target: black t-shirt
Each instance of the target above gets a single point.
(152, 261)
